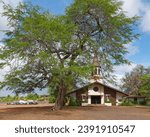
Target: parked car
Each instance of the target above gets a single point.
(23, 102)
(32, 102)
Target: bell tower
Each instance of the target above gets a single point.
(96, 73)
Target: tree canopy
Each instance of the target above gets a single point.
(137, 81)
(145, 85)
(46, 50)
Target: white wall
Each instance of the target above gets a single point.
(100, 92)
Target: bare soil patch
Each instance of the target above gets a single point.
(43, 112)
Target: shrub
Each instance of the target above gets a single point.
(142, 102)
(32, 96)
(139, 102)
(74, 102)
(8, 98)
(16, 98)
(126, 103)
(41, 99)
(52, 99)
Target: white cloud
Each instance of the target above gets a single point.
(140, 8)
(120, 71)
(3, 20)
(132, 50)
(145, 25)
(133, 7)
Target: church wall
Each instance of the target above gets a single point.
(100, 92)
(119, 98)
(106, 94)
(73, 95)
(80, 94)
(111, 93)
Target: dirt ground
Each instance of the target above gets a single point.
(43, 112)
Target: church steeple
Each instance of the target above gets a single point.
(96, 73)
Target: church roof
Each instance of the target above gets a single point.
(85, 87)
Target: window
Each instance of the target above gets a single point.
(97, 71)
(84, 97)
(95, 89)
(108, 97)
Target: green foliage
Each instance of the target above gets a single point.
(145, 85)
(9, 98)
(44, 50)
(131, 103)
(74, 102)
(52, 99)
(126, 103)
(137, 81)
(97, 21)
(142, 102)
(16, 98)
(42, 99)
(32, 96)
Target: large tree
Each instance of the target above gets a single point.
(103, 25)
(45, 50)
(136, 80)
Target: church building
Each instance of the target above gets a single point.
(96, 92)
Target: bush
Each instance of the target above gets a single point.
(16, 98)
(32, 96)
(139, 102)
(74, 102)
(142, 102)
(52, 99)
(8, 99)
(126, 103)
(41, 99)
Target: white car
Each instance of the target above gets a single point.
(32, 102)
(23, 102)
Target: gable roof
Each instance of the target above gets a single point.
(86, 86)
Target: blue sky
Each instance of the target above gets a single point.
(139, 50)
(54, 6)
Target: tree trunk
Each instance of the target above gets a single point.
(60, 97)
